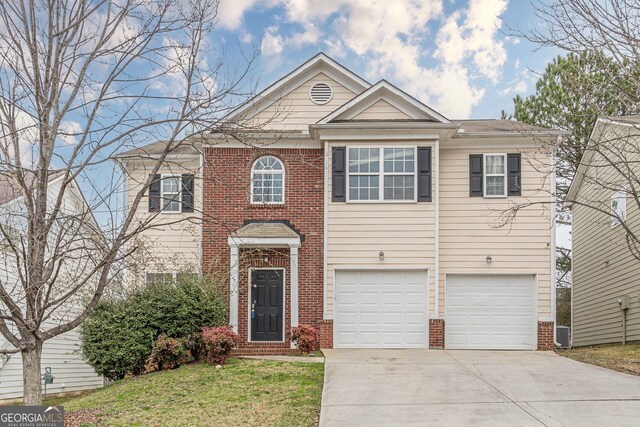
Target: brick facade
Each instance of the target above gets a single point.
(226, 207)
(326, 334)
(545, 336)
(436, 333)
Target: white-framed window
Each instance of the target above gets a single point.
(495, 175)
(267, 181)
(381, 174)
(170, 277)
(618, 207)
(159, 278)
(171, 193)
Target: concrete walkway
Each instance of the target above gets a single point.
(460, 388)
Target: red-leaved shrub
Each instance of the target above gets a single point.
(305, 337)
(167, 353)
(217, 343)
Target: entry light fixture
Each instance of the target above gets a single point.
(489, 259)
(265, 259)
(381, 255)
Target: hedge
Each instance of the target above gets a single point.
(117, 338)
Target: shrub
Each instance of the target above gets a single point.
(118, 337)
(305, 337)
(167, 353)
(217, 343)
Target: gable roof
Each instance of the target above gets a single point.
(320, 63)
(9, 190)
(383, 90)
(631, 121)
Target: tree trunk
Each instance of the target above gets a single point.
(31, 376)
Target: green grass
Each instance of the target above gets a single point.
(623, 358)
(243, 392)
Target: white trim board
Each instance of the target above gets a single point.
(394, 96)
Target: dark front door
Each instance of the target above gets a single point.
(267, 309)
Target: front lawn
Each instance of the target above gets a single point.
(623, 358)
(243, 392)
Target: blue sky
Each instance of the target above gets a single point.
(456, 56)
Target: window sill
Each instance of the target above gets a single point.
(386, 202)
(267, 206)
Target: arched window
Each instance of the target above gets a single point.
(267, 181)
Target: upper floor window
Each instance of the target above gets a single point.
(392, 168)
(267, 181)
(495, 176)
(171, 193)
(618, 207)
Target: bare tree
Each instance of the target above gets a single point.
(81, 81)
(609, 30)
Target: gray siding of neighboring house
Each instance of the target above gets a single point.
(603, 270)
(62, 353)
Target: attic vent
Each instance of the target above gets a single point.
(321, 93)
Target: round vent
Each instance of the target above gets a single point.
(321, 93)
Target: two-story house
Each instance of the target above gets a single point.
(62, 353)
(605, 217)
(358, 209)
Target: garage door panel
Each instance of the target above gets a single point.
(490, 312)
(388, 309)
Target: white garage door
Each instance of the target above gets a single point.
(381, 309)
(490, 312)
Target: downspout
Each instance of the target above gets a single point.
(327, 159)
(554, 287)
(436, 267)
(201, 203)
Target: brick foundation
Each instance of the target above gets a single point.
(226, 207)
(436, 333)
(545, 336)
(326, 334)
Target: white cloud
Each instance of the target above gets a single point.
(475, 37)
(230, 12)
(514, 87)
(69, 132)
(272, 42)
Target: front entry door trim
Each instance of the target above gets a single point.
(282, 273)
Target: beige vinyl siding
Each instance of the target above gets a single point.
(295, 111)
(358, 231)
(469, 226)
(604, 269)
(381, 110)
(173, 242)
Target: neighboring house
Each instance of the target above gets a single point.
(604, 269)
(360, 210)
(62, 353)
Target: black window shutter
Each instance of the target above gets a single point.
(187, 192)
(338, 174)
(513, 174)
(424, 174)
(154, 194)
(475, 175)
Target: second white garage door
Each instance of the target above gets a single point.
(490, 312)
(381, 309)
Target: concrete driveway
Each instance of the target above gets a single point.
(458, 388)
